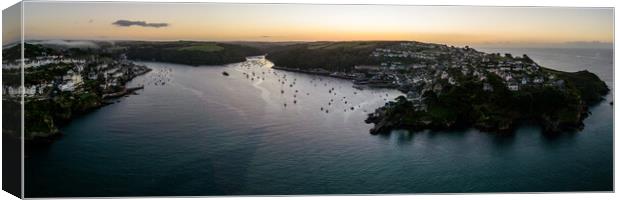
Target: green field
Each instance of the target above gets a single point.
(335, 45)
(203, 47)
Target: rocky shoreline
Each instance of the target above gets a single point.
(51, 114)
(125, 91)
(549, 124)
(384, 124)
(489, 113)
(377, 84)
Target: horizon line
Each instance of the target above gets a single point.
(308, 41)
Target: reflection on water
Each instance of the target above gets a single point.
(264, 131)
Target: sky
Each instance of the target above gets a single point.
(457, 25)
(11, 20)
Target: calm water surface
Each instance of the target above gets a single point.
(202, 133)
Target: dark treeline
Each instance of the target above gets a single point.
(332, 56)
(176, 52)
(30, 51)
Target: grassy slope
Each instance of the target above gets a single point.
(210, 47)
(190, 53)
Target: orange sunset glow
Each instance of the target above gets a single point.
(294, 22)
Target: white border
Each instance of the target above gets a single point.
(23, 92)
(478, 196)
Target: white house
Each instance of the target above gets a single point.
(513, 86)
(524, 80)
(487, 87)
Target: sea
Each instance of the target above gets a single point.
(194, 131)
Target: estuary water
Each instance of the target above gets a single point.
(259, 131)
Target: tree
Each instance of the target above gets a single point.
(527, 59)
(430, 98)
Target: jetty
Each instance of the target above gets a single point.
(123, 92)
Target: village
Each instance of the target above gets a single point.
(46, 76)
(415, 68)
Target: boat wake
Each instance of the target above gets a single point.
(265, 93)
(201, 95)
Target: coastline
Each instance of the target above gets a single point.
(314, 72)
(549, 124)
(402, 114)
(53, 122)
(356, 81)
(577, 89)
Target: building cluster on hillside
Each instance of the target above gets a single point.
(108, 73)
(41, 61)
(417, 67)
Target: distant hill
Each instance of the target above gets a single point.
(189, 53)
(31, 50)
(332, 56)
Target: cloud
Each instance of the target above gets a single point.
(128, 23)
